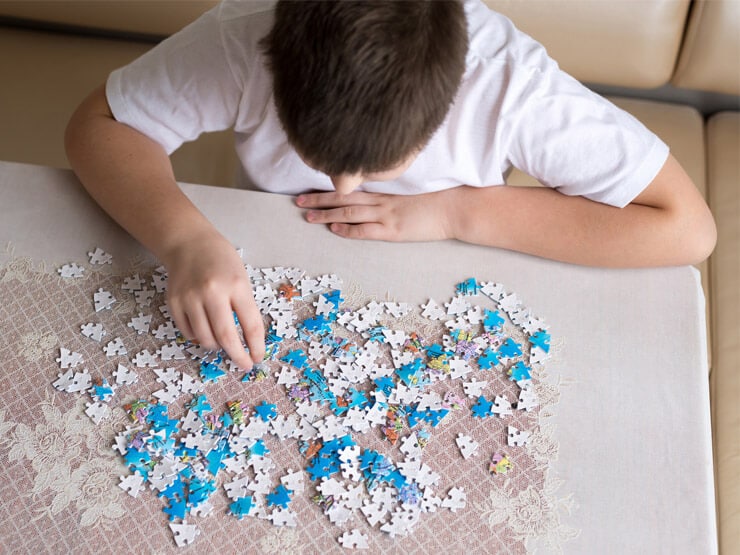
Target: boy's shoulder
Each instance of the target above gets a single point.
(494, 38)
(230, 10)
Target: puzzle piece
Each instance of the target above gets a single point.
(141, 323)
(144, 296)
(97, 411)
(353, 539)
(132, 284)
(71, 271)
(103, 300)
(500, 464)
(99, 257)
(455, 500)
(132, 484)
(65, 380)
(467, 445)
(474, 388)
(93, 331)
(68, 359)
(184, 533)
(516, 438)
(144, 358)
(115, 347)
(280, 497)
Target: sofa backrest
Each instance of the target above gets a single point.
(154, 18)
(639, 44)
(627, 43)
(710, 57)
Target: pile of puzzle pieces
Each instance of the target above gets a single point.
(348, 372)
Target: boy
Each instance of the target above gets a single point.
(405, 116)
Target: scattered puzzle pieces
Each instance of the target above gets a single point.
(347, 372)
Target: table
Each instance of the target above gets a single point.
(627, 429)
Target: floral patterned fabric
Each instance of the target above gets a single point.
(60, 491)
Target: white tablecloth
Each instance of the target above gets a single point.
(633, 420)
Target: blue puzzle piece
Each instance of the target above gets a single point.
(519, 371)
(468, 287)
(376, 334)
(509, 349)
(102, 392)
(384, 384)
(138, 461)
(434, 417)
(411, 373)
(259, 449)
(199, 491)
(357, 399)
(157, 414)
(216, 456)
(279, 497)
(321, 468)
(199, 405)
(367, 458)
(210, 372)
(437, 350)
(296, 358)
(482, 409)
(414, 417)
(492, 321)
(266, 411)
(318, 325)
(409, 494)
(177, 509)
(241, 506)
(488, 359)
(334, 297)
(541, 339)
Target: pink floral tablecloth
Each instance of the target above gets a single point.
(59, 491)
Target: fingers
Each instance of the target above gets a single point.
(213, 327)
(367, 231)
(226, 335)
(351, 214)
(252, 325)
(334, 199)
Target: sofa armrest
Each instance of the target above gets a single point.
(723, 142)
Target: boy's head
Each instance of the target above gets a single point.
(360, 86)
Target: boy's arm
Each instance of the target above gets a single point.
(131, 177)
(667, 224)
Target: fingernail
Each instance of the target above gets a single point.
(311, 215)
(300, 199)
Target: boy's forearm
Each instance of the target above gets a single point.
(131, 177)
(546, 223)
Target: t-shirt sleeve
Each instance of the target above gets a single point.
(181, 88)
(579, 143)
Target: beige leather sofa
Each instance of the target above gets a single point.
(52, 52)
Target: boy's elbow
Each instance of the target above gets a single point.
(698, 237)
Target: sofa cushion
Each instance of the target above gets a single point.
(47, 77)
(710, 57)
(158, 18)
(723, 146)
(629, 44)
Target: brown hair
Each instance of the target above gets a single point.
(360, 85)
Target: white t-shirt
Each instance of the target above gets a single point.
(515, 107)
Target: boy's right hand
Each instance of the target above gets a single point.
(207, 284)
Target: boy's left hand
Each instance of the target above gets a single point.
(382, 217)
